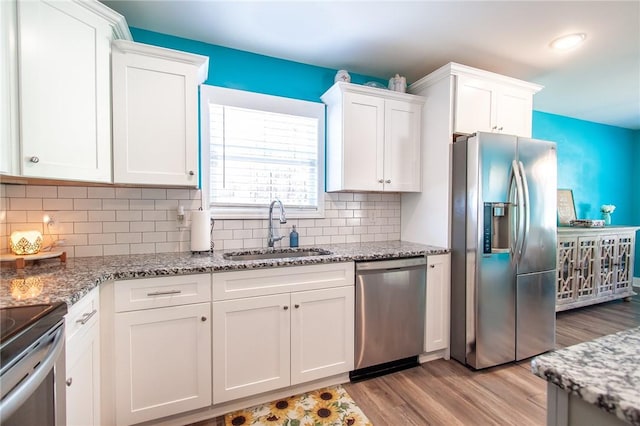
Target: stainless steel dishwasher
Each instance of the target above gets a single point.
(390, 315)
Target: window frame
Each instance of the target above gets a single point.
(269, 103)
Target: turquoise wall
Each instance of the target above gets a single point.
(600, 163)
(237, 69)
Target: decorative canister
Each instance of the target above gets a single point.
(25, 242)
(398, 84)
(342, 75)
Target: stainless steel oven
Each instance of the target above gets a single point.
(32, 388)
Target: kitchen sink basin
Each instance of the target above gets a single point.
(274, 254)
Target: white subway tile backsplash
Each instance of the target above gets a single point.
(37, 191)
(72, 192)
(57, 204)
(109, 221)
(88, 204)
(25, 203)
(98, 192)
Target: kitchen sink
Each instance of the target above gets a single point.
(274, 254)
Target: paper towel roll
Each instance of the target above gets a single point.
(200, 230)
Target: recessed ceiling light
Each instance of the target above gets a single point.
(568, 41)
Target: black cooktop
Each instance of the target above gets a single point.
(20, 326)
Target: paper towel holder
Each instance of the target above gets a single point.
(210, 250)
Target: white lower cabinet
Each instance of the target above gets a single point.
(83, 362)
(438, 300)
(162, 356)
(269, 342)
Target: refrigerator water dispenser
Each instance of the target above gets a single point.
(497, 227)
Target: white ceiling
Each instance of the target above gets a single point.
(598, 82)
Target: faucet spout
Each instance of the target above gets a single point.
(283, 219)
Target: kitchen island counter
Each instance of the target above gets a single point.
(69, 282)
(603, 373)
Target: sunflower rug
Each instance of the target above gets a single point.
(324, 407)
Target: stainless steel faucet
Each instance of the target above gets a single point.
(283, 219)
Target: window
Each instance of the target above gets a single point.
(257, 148)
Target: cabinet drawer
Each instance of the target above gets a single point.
(147, 293)
(261, 282)
(83, 314)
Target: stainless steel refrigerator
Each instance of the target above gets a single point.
(503, 248)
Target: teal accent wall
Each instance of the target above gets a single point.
(600, 163)
(237, 69)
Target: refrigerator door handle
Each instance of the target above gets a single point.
(519, 238)
(526, 209)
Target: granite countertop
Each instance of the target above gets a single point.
(604, 372)
(69, 282)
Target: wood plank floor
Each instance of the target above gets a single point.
(447, 393)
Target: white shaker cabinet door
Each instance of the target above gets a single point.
(514, 111)
(438, 299)
(251, 346)
(474, 105)
(155, 115)
(322, 333)
(162, 362)
(402, 146)
(363, 144)
(65, 118)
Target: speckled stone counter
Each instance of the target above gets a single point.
(604, 372)
(69, 282)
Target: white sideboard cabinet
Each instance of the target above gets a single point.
(594, 265)
(155, 114)
(61, 62)
(373, 139)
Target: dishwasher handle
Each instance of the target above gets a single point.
(381, 265)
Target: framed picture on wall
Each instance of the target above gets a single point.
(566, 207)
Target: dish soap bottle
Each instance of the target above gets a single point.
(293, 237)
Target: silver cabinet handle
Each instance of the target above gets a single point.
(296, 306)
(191, 173)
(380, 180)
(500, 128)
(69, 381)
(164, 293)
(86, 317)
(203, 319)
(34, 159)
(432, 266)
(285, 308)
(387, 181)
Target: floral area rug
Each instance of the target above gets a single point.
(324, 407)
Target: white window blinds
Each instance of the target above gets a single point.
(257, 148)
(257, 156)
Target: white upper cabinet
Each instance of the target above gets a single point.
(155, 114)
(9, 147)
(488, 102)
(64, 75)
(373, 139)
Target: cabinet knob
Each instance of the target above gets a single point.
(494, 128)
(285, 308)
(296, 306)
(34, 159)
(500, 128)
(191, 173)
(380, 180)
(432, 266)
(387, 181)
(203, 319)
(69, 381)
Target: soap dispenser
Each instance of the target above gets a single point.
(293, 237)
